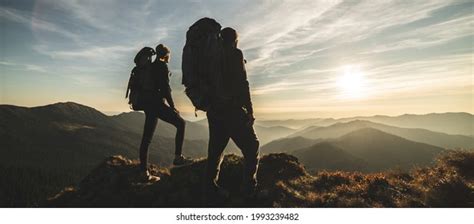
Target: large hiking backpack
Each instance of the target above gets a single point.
(200, 62)
(133, 91)
(139, 82)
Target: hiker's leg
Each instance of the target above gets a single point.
(148, 131)
(167, 114)
(245, 138)
(218, 139)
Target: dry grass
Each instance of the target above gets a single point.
(448, 183)
(285, 183)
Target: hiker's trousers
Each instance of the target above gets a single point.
(231, 123)
(167, 114)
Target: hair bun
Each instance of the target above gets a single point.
(162, 50)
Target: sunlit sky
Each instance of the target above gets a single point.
(305, 58)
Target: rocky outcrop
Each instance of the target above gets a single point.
(283, 183)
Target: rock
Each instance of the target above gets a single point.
(115, 183)
(283, 182)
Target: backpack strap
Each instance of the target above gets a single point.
(132, 73)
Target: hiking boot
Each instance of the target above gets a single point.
(146, 176)
(181, 160)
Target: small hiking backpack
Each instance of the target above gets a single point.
(200, 61)
(139, 81)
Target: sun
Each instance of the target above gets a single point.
(352, 82)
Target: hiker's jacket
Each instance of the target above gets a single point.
(233, 85)
(161, 80)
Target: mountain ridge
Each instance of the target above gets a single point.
(327, 156)
(456, 123)
(61, 142)
(366, 149)
(414, 134)
(374, 147)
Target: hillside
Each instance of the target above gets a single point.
(46, 148)
(286, 145)
(414, 134)
(385, 151)
(74, 131)
(325, 156)
(364, 149)
(58, 144)
(284, 183)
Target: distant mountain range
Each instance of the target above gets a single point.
(384, 151)
(365, 149)
(69, 134)
(57, 144)
(450, 123)
(74, 129)
(414, 134)
(288, 144)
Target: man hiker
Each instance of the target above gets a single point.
(230, 116)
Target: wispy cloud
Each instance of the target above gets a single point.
(296, 50)
(35, 23)
(94, 53)
(274, 87)
(448, 72)
(24, 67)
(429, 36)
(335, 24)
(106, 15)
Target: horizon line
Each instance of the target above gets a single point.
(114, 113)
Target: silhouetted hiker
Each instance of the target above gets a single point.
(141, 95)
(230, 116)
(215, 81)
(154, 90)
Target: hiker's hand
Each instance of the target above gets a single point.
(251, 119)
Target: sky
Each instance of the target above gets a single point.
(305, 59)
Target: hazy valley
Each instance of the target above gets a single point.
(57, 145)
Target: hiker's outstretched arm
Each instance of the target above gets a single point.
(247, 99)
(167, 91)
(164, 84)
(247, 102)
